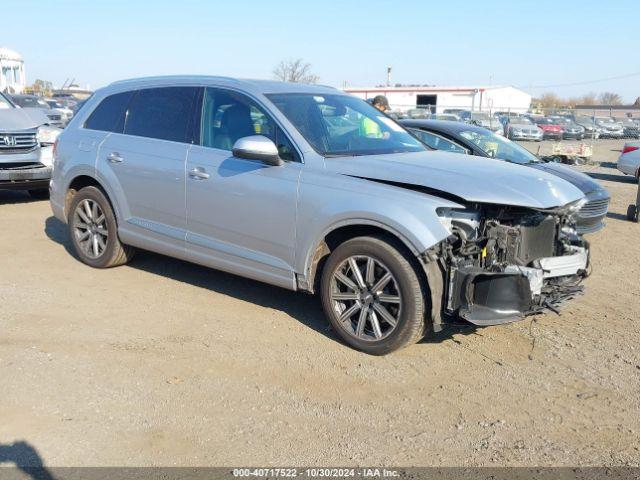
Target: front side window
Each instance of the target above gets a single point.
(437, 142)
(164, 113)
(340, 125)
(109, 115)
(228, 116)
(496, 146)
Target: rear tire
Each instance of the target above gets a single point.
(367, 313)
(94, 231)
(39, 194)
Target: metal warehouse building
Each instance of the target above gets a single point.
(491, 98)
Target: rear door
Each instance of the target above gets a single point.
(144, 165)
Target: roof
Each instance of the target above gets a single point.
(608, 107)
(446, 126)
(433, 88)
(255, 86)
(7, 54)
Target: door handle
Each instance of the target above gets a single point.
(114, 157)
(198, 173)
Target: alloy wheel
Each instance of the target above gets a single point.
(90, 228)
(366, 298)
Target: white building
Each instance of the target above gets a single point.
(438, 99)
(12, 78)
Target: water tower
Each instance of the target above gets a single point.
(12, 78)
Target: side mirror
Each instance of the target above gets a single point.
(257, 147)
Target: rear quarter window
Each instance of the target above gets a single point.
(109, 115)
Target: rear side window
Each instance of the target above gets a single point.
(163, 113)
(109, 115)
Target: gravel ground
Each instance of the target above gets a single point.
(166, 363)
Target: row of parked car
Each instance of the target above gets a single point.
(535, 127)
(59, 111)
(311, 189)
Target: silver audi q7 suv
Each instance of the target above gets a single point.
(311, 189)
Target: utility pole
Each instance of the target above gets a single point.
(388, 76)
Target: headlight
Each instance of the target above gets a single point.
(465, 221)
(47, 135)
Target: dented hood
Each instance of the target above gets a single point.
(12, 119)
(474, 179)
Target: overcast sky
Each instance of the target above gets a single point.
(528, 44)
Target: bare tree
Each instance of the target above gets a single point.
(610, 98)
(294, 70)
(637, 102)
(589, 99)
(549, 99)
(42, 86)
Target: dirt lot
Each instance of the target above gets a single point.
(165, 363)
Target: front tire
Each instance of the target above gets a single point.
(373, 296)
(94, 231)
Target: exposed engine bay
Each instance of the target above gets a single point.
(502, 263)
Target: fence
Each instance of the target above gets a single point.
(582, 124)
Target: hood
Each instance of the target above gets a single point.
(474, 179)
(584, 182)
(553, 128)
(611, 126)
(21, 119)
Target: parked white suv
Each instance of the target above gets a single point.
(26, 149)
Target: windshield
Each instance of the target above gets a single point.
(341, 125)
(585, 120)
(497, 146)
(31, 102)
(545, 121)
(520, 121)
(561, 121)
(4, 103)
(444, 116)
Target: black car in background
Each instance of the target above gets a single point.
(37, 103)
(571, 130)
(631, 127)
(458, 137)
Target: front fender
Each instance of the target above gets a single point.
(330, 202)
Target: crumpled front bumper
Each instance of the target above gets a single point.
(491, 298)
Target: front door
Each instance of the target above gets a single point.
(241, 213)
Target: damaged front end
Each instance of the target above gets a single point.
(502, 263)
